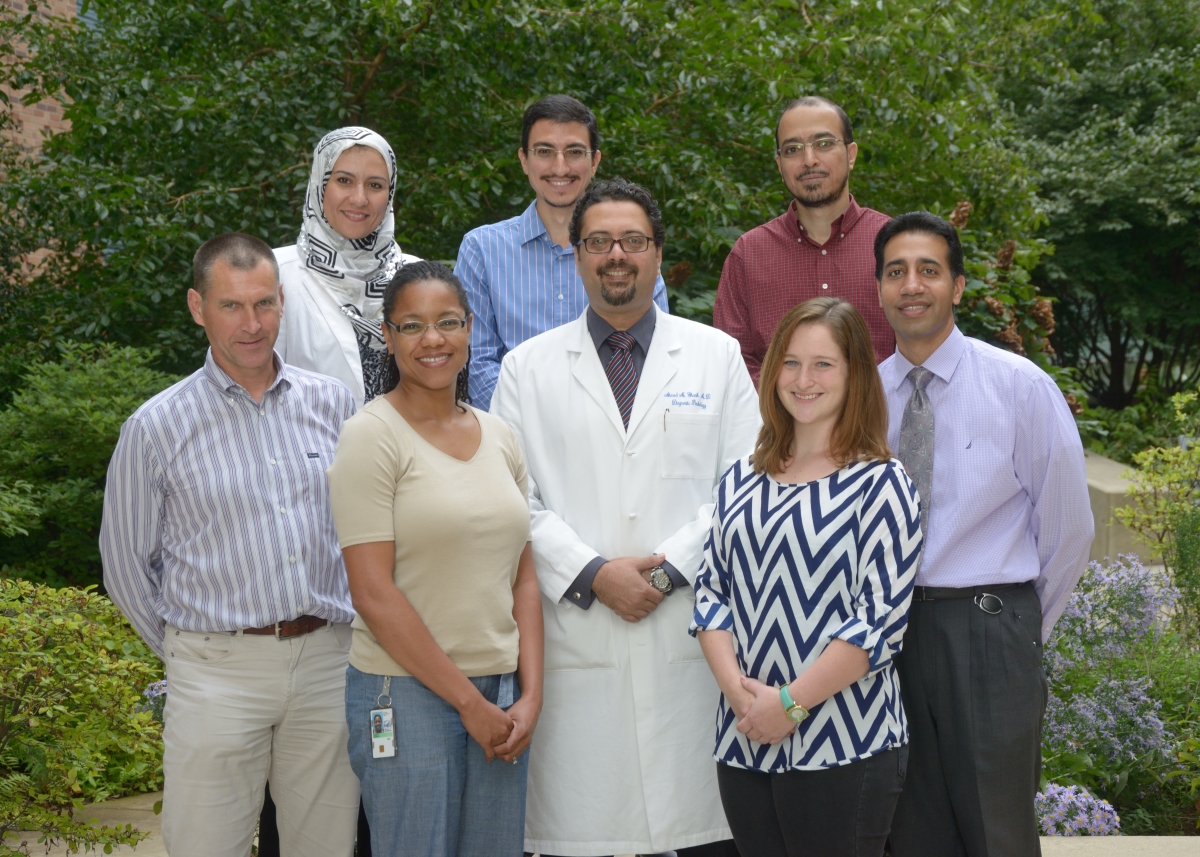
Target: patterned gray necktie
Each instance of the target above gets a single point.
(916, 440)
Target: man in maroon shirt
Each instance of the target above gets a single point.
(822, 246)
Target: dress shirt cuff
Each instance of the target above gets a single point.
(678, 579)
(580, 592)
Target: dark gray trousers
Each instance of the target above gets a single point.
(974, 694)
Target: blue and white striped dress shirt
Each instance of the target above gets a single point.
(1009, 494)
(519, 284)
(216, 509)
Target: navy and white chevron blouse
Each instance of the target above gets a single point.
(787, 568)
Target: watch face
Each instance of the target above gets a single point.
(797, 715)
(660, 580)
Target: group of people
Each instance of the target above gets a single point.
(524, 563)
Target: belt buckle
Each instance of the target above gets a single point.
(985, 600)
(278, 635)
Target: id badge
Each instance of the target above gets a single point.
(383, 725)
(383, 738)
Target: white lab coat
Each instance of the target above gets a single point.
(314, 333)
(622, 759)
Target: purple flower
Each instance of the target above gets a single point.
(1072, 811)
(1118, 722)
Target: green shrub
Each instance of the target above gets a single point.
(56, 437)
(72, 728)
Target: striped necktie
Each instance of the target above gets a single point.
(916, 440)
(622, 374)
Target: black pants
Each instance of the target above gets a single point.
(712, 849)
(835, 812)
(974, 694)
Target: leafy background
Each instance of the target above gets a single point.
(1061, 137)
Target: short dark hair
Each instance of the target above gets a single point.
(237, 249)
(424, 269)
(618, 190)
(817, 101)
(560, 109)
(930, 224)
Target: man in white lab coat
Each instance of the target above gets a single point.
(628, 417)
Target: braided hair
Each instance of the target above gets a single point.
(417, 272)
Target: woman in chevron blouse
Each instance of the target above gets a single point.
(803, 598)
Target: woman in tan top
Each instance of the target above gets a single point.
(444, 686)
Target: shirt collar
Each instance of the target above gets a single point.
(941, 362)
(531, 225)
(642, 330)
(841, 226)
(221, 379)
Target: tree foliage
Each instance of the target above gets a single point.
(1107, 114)
(191, 117)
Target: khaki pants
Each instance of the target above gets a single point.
(242, 710)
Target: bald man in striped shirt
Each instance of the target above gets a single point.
(219, 546)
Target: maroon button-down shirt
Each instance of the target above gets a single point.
(776, 266)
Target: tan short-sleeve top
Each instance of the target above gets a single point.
(459, 529)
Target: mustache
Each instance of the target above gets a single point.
(609, 267)
(812, 173)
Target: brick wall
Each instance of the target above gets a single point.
(34, 120)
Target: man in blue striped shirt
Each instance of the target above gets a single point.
(520, 273)
(219, 546)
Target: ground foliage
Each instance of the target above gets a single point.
(71, 730)
(57, 435)
(1123, 719)
(190, 118)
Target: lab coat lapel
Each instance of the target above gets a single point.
(590, 374)
(660, 368)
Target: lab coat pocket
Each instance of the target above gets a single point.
(579, 639)
(689, 445)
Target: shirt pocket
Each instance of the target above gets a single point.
(689, 445)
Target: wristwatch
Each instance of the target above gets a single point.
(660, 580)
(795, 711)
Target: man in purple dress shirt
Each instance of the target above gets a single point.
(994, 451)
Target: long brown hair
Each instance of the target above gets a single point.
(861, 429)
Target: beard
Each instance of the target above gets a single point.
(816, 199)
(618, 296)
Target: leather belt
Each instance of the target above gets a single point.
(290, 628)
(985, 596)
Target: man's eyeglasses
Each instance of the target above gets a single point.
(571, 154)
(445, 327)
(823, 146)
(630, 243)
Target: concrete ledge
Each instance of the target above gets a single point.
(138, 810)
(1107, 492)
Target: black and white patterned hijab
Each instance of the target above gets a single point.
(354, 272)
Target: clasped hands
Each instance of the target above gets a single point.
(503, 735)
(760, 712)
(623, 586)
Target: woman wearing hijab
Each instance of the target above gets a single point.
(334, 275)
(333, 280)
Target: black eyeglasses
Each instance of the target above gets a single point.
(629, 243)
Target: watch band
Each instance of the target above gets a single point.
(795, 712)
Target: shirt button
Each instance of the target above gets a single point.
(283, 510)
(843, 235)
(824, 285)
(632, 515)
(560, 297)
(262, 413)
(272, 461)
(822, 252)
(291, 559)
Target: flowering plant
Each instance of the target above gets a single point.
(156, 699)
(1072, 811)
